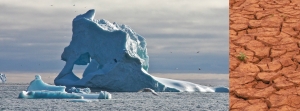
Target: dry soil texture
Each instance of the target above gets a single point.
(264, 35)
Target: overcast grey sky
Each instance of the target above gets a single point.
(33, 33)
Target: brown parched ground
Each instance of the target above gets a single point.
(266, 33)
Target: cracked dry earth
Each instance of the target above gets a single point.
(267, 32)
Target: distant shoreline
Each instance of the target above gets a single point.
(204, 79)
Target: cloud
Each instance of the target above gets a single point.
(187, 46)
(34, 34)
(178, 63)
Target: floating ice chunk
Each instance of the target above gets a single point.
(38, 89)
(2, 77)
(101, 95)
(85, 93)
(37, 85)
(86, 90)
(222, 89)
(104, 95)
(62, 95)
(148, 90)
(79, 90)
(48, 95)
(81, 100)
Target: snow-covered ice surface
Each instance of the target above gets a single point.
(117, 60)
(126, 101)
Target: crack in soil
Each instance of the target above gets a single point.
(276, 25)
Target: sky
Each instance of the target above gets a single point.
(33, 33)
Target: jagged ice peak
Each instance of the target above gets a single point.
(88, 15)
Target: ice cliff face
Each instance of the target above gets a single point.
(117, 59)
(93, 38)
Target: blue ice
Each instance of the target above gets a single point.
(79, 90)
(48, 95)
(117, 60)
(38, 89)
(38, 84)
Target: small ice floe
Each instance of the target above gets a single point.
(79, 90)
(48, 95)
(2, 77)
(101, 95)
(85, 92)
(38, 84)
(38, 89)
(81, 100)
(148, 90)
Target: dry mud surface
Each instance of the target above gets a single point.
(121, 101)
(267, 33)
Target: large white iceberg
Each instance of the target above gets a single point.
(117, 60)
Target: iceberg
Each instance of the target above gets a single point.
(38, 84)
(117, 60)
(62, 95)
(48, 95)
(2, 77)
(39, 89)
